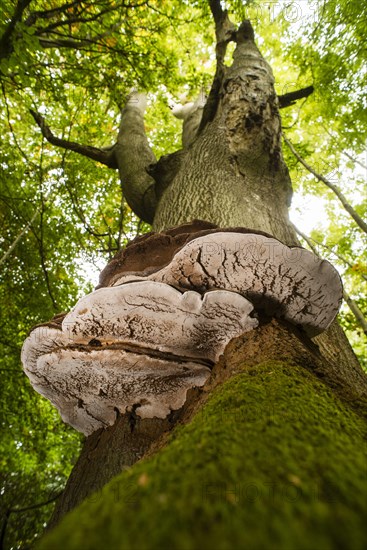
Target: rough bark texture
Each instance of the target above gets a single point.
(142, 343)
(234, 173)
(133, 156)
(267, 457)
(106, 453)
(150, 252)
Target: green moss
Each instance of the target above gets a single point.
(272, 461)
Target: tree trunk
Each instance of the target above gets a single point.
(265, 456)
(233, 174)
(268, 456)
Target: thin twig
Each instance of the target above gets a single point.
(356, 311)
(20, 511)
(336, 254)
(361, 164)
(348, 207)
(19, 236)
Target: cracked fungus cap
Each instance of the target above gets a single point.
(290, 283)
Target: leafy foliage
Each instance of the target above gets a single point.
(62, 216)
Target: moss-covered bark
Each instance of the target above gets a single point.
(273, 460)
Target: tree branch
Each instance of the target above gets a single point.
(47, 14)
(20, 511)
(331, 186)
(37, 505)
(75, 44)
(354, 160)
(79, 212)
(19, 237)
(336, 254)
(104, 157)
(6, 46)
(135, 157)
(67, 41)
(356, 311)
(290, 98)
(335, 140)
(224, 30)
(41, 247)
(73, 20)
(225, 33)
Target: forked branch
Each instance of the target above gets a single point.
(106, 157)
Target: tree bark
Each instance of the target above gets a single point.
(105, 454)
(234, 173)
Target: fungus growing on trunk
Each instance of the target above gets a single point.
(290, 283)
(139, 344)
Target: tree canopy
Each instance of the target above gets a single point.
(63, 216)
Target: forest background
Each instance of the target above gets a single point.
(63, 216)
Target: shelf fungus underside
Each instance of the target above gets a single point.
(141, 344)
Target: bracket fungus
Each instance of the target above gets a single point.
(142, 342)
(137, 346)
